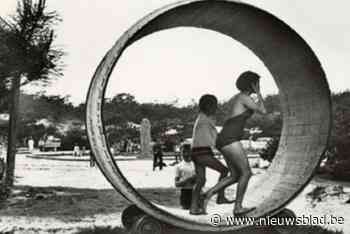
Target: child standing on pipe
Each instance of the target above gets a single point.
(204, 137)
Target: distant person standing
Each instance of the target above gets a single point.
(129, 146)
(41, 144)
(158, 155)
(92, 159)
(31, 144)
(124, 145)
(76, 150)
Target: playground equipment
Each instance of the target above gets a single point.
(304, 94)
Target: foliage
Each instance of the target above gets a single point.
(272, 104)
(269, 152)
(341, 170)
(123, 110)
(26, 43)
(4, 92)
(26, 48)
(338, 152)
(35, 107)
(270, 124)
(119, 114)
(341, 125)
(72, 137)
(26, 55)
(36, 131)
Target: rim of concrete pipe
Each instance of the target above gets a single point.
(303, 90)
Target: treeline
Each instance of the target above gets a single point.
(123, 109)
(56, 115)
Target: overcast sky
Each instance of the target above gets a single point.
(184, 63)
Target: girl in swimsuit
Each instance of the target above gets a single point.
(228, 140)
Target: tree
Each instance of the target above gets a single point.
(338, 152)
(38, 106)
(121, 109)
(26, 55)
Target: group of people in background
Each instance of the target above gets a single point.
(127, 146)
(77, 151)
(191, 177)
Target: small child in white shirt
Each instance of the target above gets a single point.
(204, 137)
(185, 177)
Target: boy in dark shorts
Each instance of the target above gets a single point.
(204, 137)
(185, 177)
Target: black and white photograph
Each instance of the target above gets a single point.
(174, 117)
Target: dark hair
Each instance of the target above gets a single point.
(186, 147)
(246, 80)
(208, 104)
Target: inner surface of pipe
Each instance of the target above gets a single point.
(303, 90)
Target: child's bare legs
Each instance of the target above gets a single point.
(200, 182)
(222, 184)
(215, 164)
(236, 157)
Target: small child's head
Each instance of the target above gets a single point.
(187, 157)
(186, 153)
(208, 104)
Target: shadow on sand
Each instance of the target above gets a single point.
(252, 230)
(64, 203)
(72, 204)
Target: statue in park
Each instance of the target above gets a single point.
(145, 138)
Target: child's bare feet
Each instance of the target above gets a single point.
(224, 200)
(198, 211)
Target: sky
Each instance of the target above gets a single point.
(182, 64)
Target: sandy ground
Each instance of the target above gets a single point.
(77, 196)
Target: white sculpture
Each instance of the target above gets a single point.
(145, 138)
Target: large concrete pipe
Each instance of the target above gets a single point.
(304, 94)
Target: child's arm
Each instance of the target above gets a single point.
(177, 177)
(180, 183)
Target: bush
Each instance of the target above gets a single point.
(72, 137)
(268, 153)
(342, 170)
(338, 153)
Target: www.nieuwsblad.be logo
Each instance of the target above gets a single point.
(217, 220)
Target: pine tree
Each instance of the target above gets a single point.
(26, 56)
